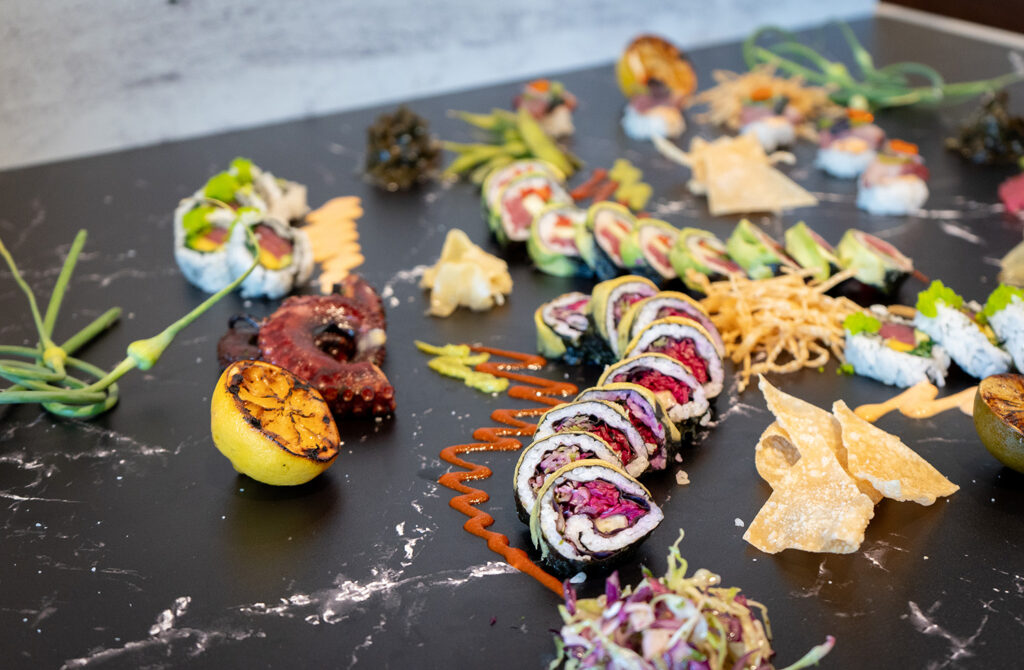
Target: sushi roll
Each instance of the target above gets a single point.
(942, 314)
(564, 330)
(611, 299)
(756, 252)
(811, 251)
(550, 104)
(606, 420)
(646, 250)
(543, 457)
(520, 201)
(672, 383)
(284, 253)
(662, 305)
(647, 414)
(552, 241)
(653, 113)
(498, 179)
(234, 187)
(687, 342)
(1004, 311)
(879, 267)
(202, 229)
(591, 513)
(848, 144)
(882, 346)
(894, 183)
(700, 251)
(285, 200)
(607, 227)
(770, 119)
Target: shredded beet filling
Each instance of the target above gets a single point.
(555, 459)
(599, 499)
(591, 424)
(684, 351)
(656, 381)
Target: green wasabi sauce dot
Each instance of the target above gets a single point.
(222, 186)
(242, 169)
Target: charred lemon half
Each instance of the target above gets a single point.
(999, 418)
(271, 425)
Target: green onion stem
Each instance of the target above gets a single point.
(62, 282)
(44, 339)
(82, 337)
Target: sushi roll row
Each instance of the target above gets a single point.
(879, 267)
(982, 341)
(241, 215)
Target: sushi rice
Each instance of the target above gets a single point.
(844, 163)
(1008, 325)
(870, 357)
(264, 282)
(207, 270)
(964, 341)
(896, 196)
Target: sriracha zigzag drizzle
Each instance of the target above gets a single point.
(497, 438)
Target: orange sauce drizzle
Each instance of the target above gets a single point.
(500, 438)
(918, 402)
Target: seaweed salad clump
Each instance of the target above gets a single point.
(992, 135)
(400, 152)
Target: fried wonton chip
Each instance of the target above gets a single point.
(893, 468)
(816, 505)
(774, 455)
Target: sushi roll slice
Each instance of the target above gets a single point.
(687, 342)
(611, 299)
(600, 240)
(894, 183)
(564, 330)
(499, 179)
(286, 200)
(700, 251)
(646, 250)
(848, 144)
(942, 314)
(202, 229)
(882, 346)
(234, 187)
(520, 201)
(543, 457)
(770, 119)
(550, 104)
(284, 253)
(1004, 311)
(756, 252)
(663, 305)
(647, 414)
(605, 420)
(879, 267)
(672, 383)
(811, 251)
(591, 513)
(552, 241)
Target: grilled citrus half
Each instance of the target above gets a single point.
(999, 418)
(271, 425)
(651, 58)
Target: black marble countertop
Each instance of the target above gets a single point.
(129, 541)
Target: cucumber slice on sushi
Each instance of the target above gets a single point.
(811, 251)
(663, 305)
(520, 201)
(499, 179)
(600, 241)
(646, 413)
(671, 382)
(202, 229)
(285, 255)
(611, 299)
(543, 457)
(646, 250)
(687, 342)
(889, 349)
(701, 251)
(591, 513)
(879, 267)
(564, 330)
(756, 252)
(942, 314)
(606, 420)
(552, 241)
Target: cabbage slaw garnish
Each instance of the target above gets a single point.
(672, 622)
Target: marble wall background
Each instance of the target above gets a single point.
(79, 78)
